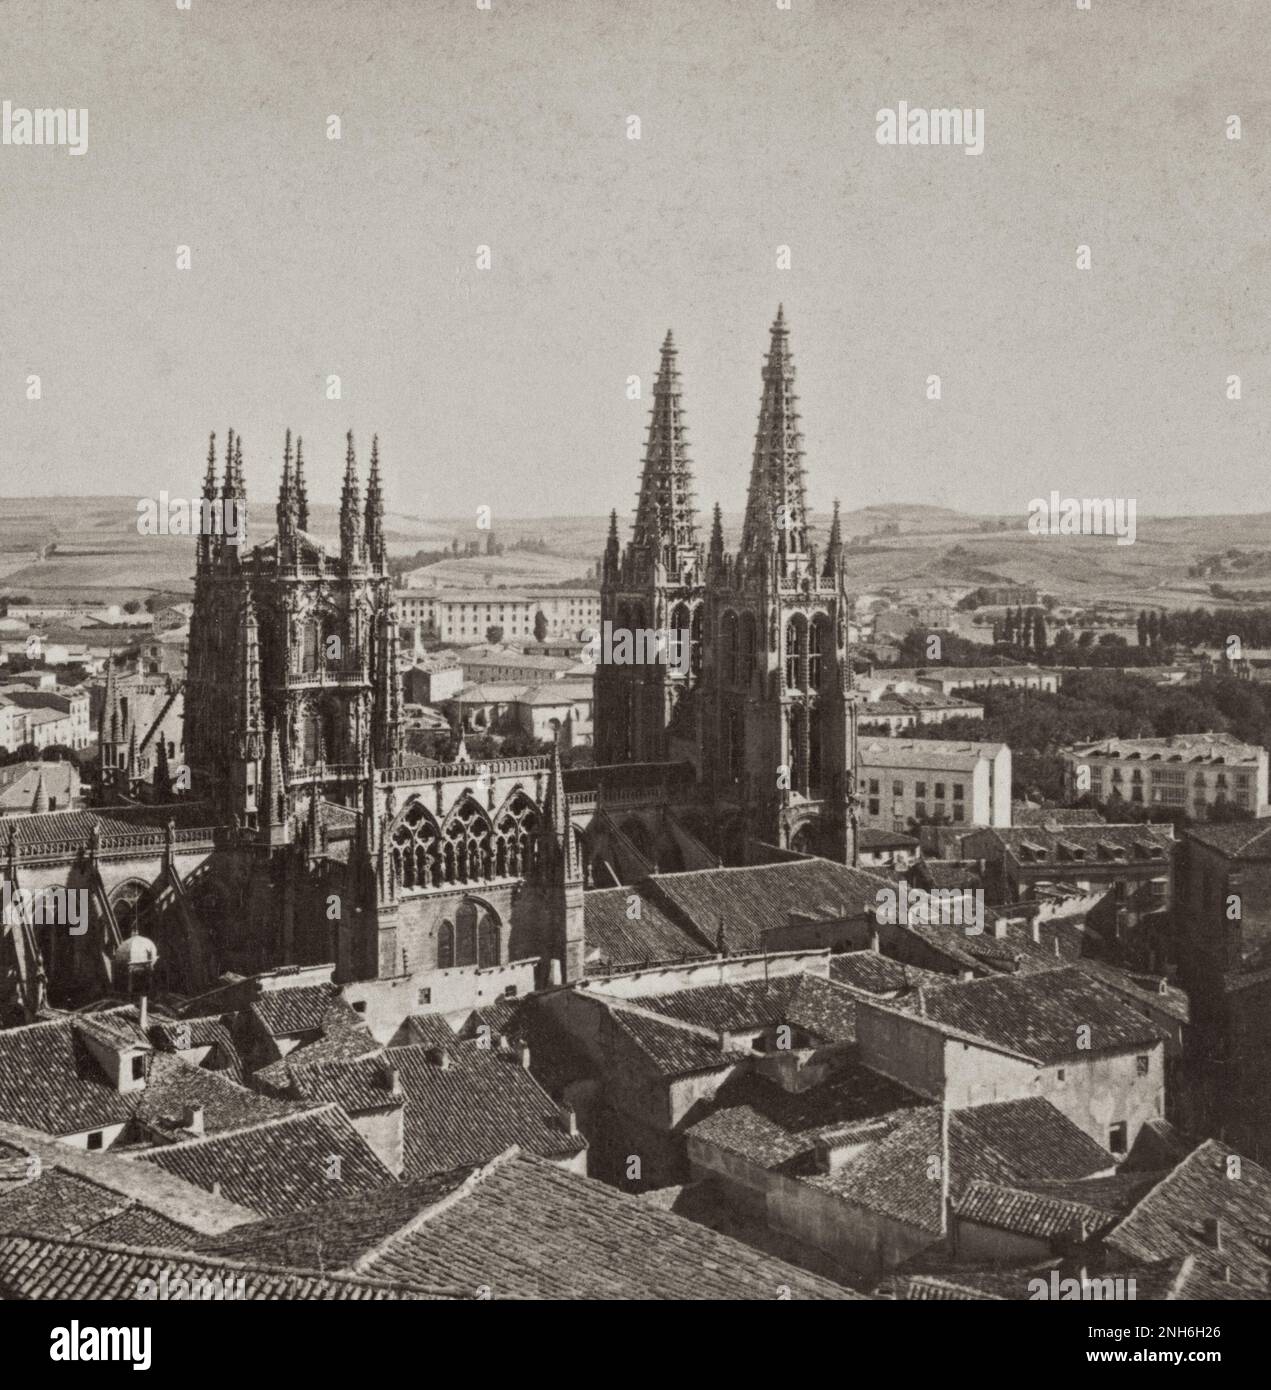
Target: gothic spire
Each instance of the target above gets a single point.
(834, 550)
(776, 507)
(609, 569)
(209, 478)
(228, 476)
(302, 494)
(209, 496)
(374, 508)
(717, 534)
(350, 509)
(275, 781)
(250, 720)
(665, 522)
(287, 494)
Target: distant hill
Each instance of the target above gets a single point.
(93, 550)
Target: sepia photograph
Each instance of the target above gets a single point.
(635, 665)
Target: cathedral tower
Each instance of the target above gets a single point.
(653, 592)
(778, 705)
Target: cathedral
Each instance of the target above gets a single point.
(298, 831)
(764, 706)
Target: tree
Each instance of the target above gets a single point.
(1142, 627)
(132, 606)
(1039, 633)
(540, 625)
(494, 634)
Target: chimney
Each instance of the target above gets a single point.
(1162, 985)
(922, 1004)
(392, 1079)
(192, 1119)
(523, 1053)
(999, 928)
(1035, 931)
(569, 1118)
(873, 938)
(216, 1187)
(1057, 956)
(555, 973)
(1213, 1232)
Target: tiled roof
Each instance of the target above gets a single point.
(1030, 1213)
(283, 1165)
(339, 1234)
(1144, 989)
(898, 1174)
(1238, 840)
(430, 1029)
(34, 1267)
(618, 940)
(1170, 1219)
(172, 1085)
(523, 1228)
(822, 1008)
(50, 1080)
(1023, 814)
(59, 1203)
(148, 822)
(750, 900)
(871, 838)
(875, 973)
(358, 1086)
(473, 1109)
(671, 1047)
(305, 1009)
(933, 753)
(1038, 1015)
(1038, 1141)
(1051, 848)
(758, 1120)
(949, 873)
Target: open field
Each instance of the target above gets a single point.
(94, 551)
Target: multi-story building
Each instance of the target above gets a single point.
(1127, 871)
(44, 715)
(912, 781)
(466, 615)
(1187, 772)
(950, 679)
(894, 706)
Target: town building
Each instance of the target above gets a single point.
(1187, 772)
(908, 782)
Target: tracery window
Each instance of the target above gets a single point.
(467, 853)
(516, 838)
(417, 849)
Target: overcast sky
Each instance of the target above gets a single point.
(508, 128)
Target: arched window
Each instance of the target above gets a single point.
(816, 642)
(728, 646)
(446, 946)
(487, 940)
(466, 934)
(798, 750)
(467, 851)
(679, 635)
(814, 752)
(695, 641)
(516, 838)
(309, 646)
(796, 639)
(748, 640)
(417, 849)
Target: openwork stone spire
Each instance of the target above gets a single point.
(665, 524)
(776, 506)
